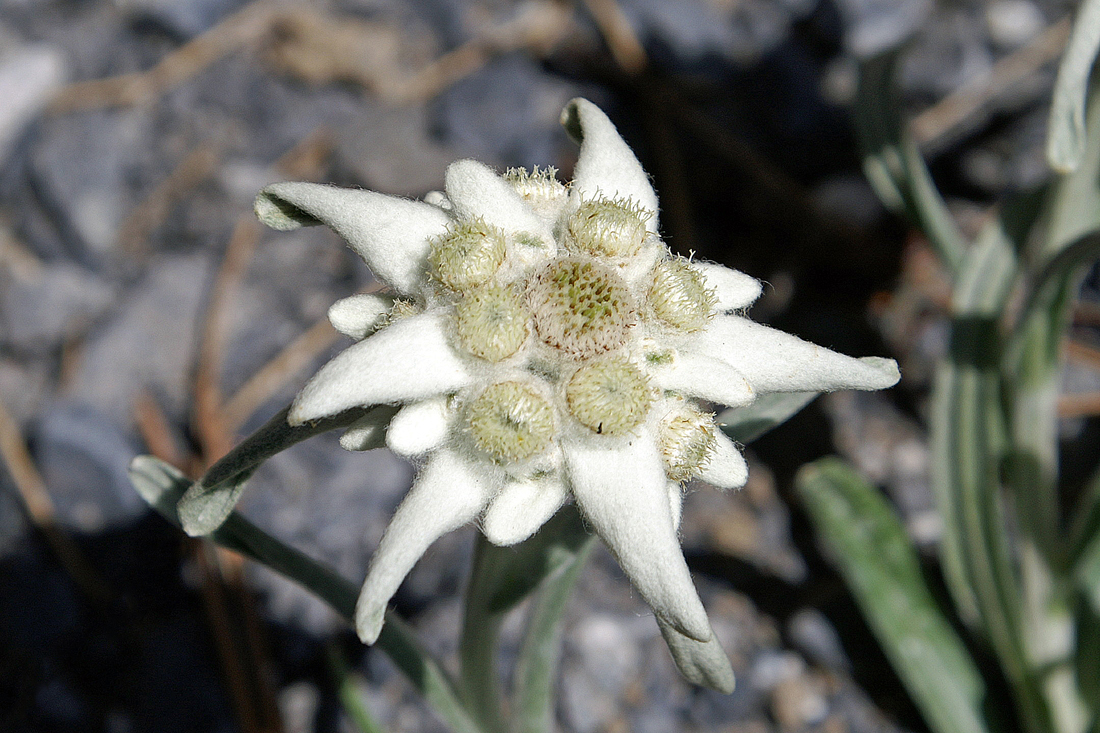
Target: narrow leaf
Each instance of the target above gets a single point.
(1066, 136)
(746, 424)
(501, 578)
(894, 166)
(207, 503)
(162, 486)
(537, 666)
(348, 692)
(876, 558)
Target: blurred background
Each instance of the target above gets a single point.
(142, 309)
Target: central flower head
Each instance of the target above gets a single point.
(545, 345)
(581, 307)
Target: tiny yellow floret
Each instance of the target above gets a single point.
(687, 440)
(581, 307)
(609, 396)
(492, 322)
(510, 422)
(678, 296)
(540, 188)
(468, 255)
(614, 228)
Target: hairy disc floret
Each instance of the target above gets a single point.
(609, 396)
(540, 188)
(468, 255)
(686, 436)
(492, 322)
(679, 297)
(581, 308)
(510, 422)
(614, 228)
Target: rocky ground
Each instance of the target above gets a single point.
(139, 301)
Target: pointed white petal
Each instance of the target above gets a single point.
(700, 376)
(409, 360)
(369, 431)
(419, 427)
(774, 361)
(391, 234)
(734, 289)
(702, 663)
(448, 493)
(606, 165)
(520, 509)
(726, 467)
(623, 493)
(476, 191)
(358, 315)
(675, 503)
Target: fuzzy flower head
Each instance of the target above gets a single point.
(544, 345)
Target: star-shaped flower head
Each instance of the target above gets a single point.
(543, 344)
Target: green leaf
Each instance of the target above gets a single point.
(894, 166)
(162, 486)
(876, 558)
(1087, 645)
(536, 668)
(501, 578)
(1066, 137)
(746, 424)
(348, 691)
(971, 445)
(209, 500)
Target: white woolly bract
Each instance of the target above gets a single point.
(521, 508)
(622, 490)
(419, 427)
(726, 468)
(390, 234)
(377, 370)
(449, 492)
(359, 315)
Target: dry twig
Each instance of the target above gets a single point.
(40, 509)
(237, 31)
(133, 235)
(619, 35)
(939, 121)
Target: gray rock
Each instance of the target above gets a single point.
(84, 168)
(42, 308)
(393, 150)
(515, 119)
(334, 506)
(872, 26)
(149, 344)
(184, 18)
(83, 457)
(815, 637)
(29, 75)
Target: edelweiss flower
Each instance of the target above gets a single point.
(543, 345)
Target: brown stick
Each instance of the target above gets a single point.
(42, 513)
(619, 35)
(235, 32)
(133, 235)
(951, 112)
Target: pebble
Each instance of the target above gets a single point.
(84, 168)
(183, 18)
(148, 345)
(84, 457)
(872, 26)
(51, 304)
(30, 74)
